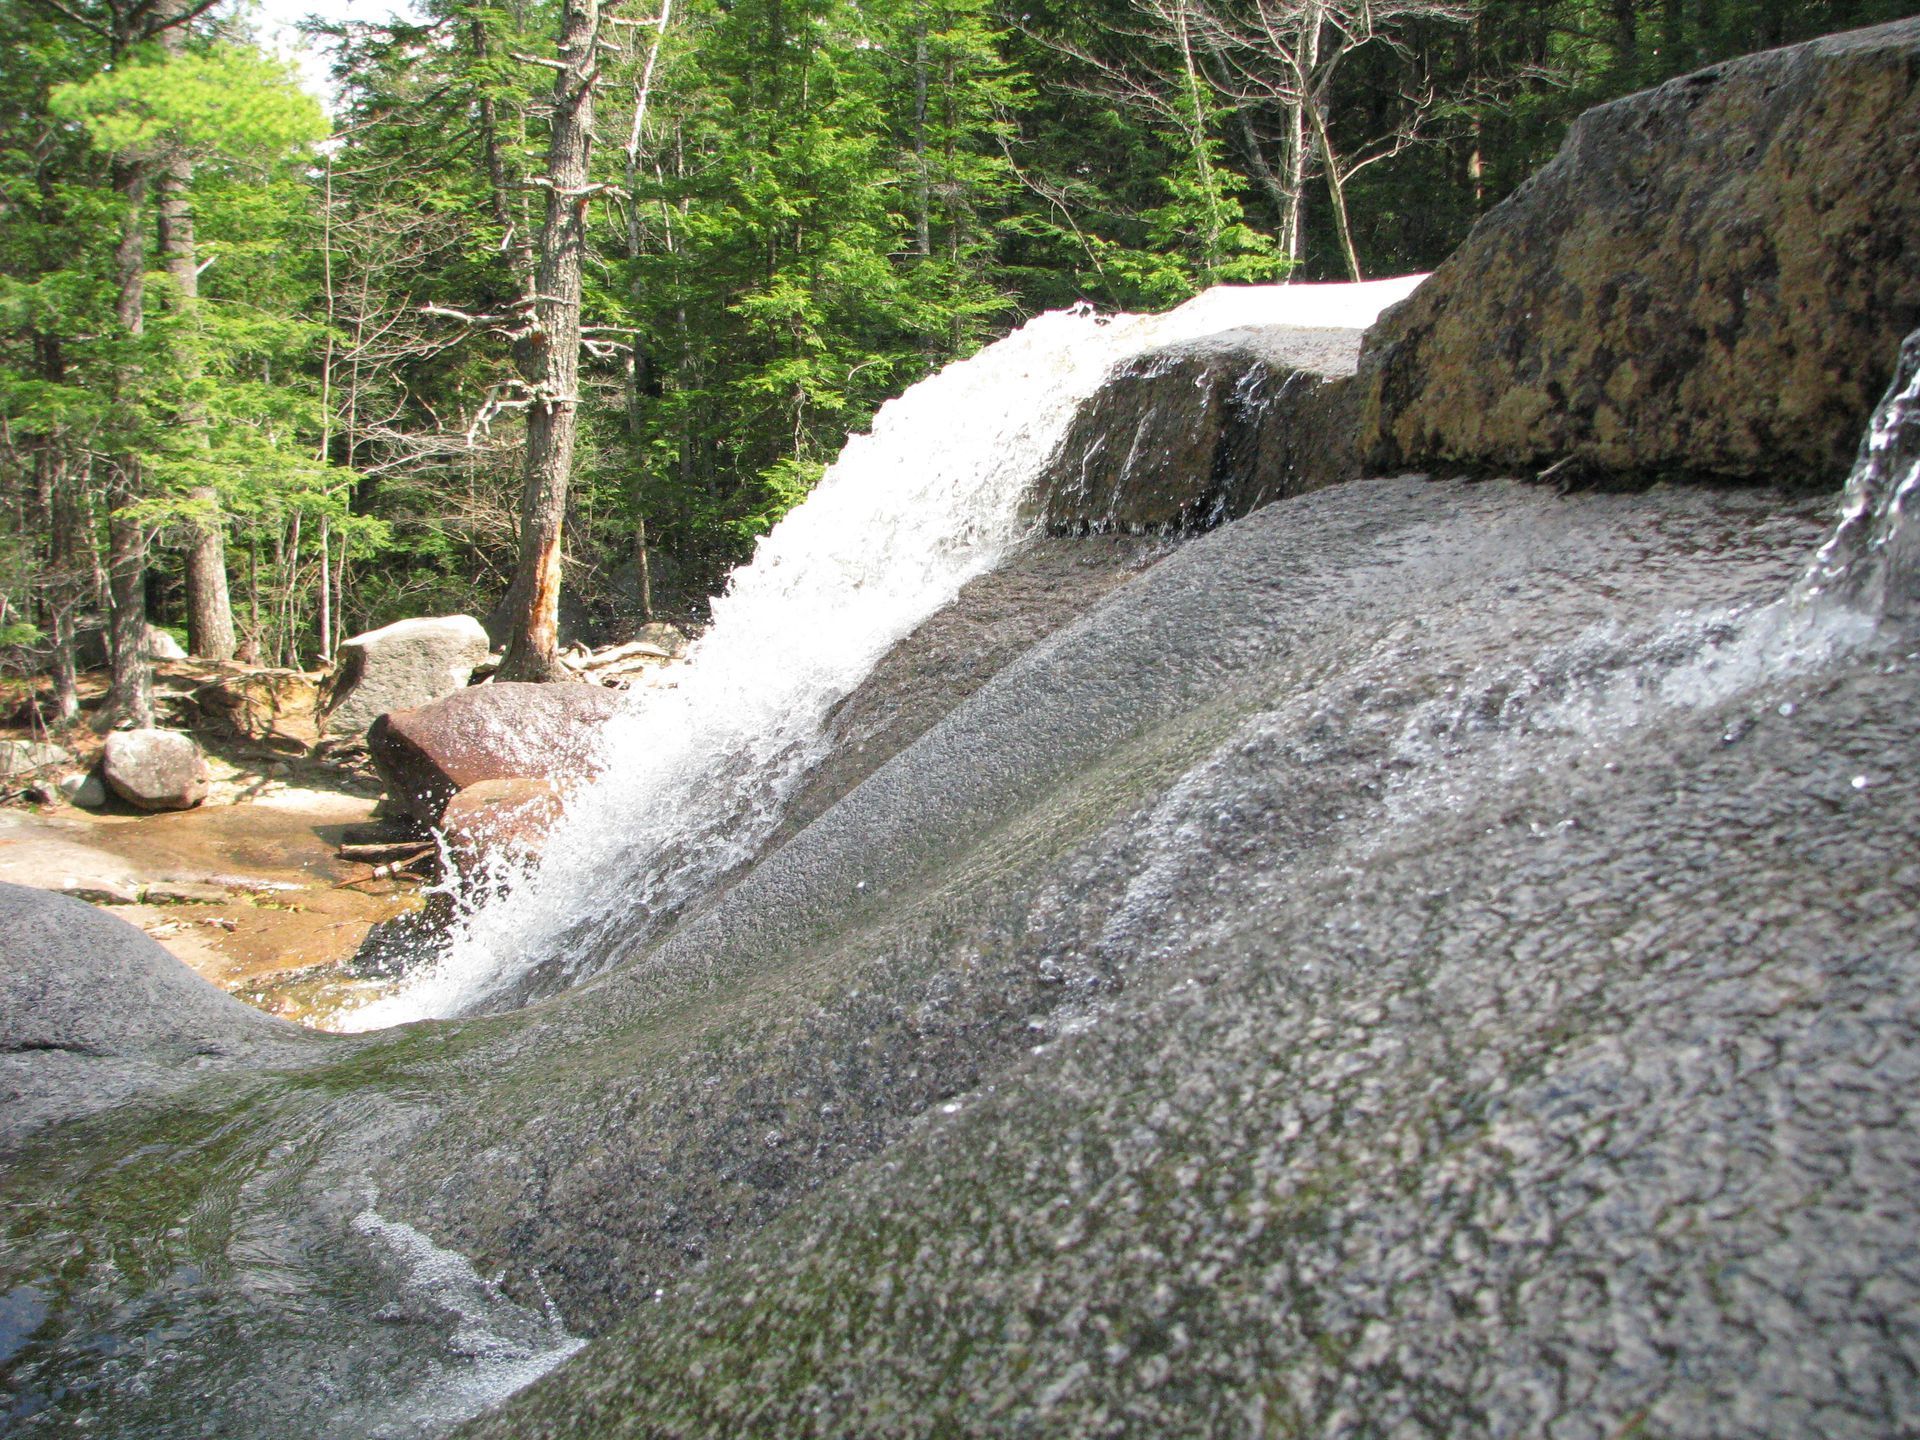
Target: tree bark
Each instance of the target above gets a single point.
(1336, 191)
(209, 607)
(129, 699)
(922, 185)
(130, 694)
(549, 357)
(61, 507)
(644, 568)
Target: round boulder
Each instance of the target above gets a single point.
(155, 769)
(401, 666)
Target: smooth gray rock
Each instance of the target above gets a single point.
(155, 769)
(401, 666)
(87, 790)
(92, 1011)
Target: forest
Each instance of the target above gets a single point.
(562, 303)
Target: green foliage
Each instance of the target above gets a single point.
(228, 101)
(828, 200)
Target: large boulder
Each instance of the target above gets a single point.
(91, 1010)
(1195, 432)
(497, 731)
(93, 646)
(400, 667)
(155, 769)
(1711, 278)
(79, 979)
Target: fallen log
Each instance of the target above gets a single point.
(380, 854)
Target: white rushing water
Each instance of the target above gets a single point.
(496, 1346)
(695, 775)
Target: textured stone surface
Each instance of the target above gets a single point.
(1711, 278)
(270, 706)
(155, 769)
(955, 651)
(399, 667)
(1422, 1039)
(495, 731)
(507, 818)
(1420, 959)
(1193, 433)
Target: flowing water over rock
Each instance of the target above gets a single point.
(1428, 956)
(938, 493)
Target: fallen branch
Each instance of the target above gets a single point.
(381, 853)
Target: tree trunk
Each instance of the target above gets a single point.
(549, 357)
(1336, 191)
(923, 185)
(61, 510)
(209, 608)
(130, 694)
(644, 569)
(637, 360)
(323, 626)
(129, 699)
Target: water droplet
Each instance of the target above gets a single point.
(1787, 707)
(1860, 782)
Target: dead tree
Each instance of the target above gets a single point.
(547, 347)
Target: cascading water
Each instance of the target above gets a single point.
(1368, 857)
(1869, 563)
(695, 775)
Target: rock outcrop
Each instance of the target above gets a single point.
(155, 769)
(275, 707)
(399, 667)
(501, 730)
(1711, 278)
(1194, 433)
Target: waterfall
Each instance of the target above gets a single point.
(693, 776)
(1869, 563)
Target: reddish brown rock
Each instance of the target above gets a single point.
(502, 730)
(508, 818)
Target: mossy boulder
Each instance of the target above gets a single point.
(1711, 278)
